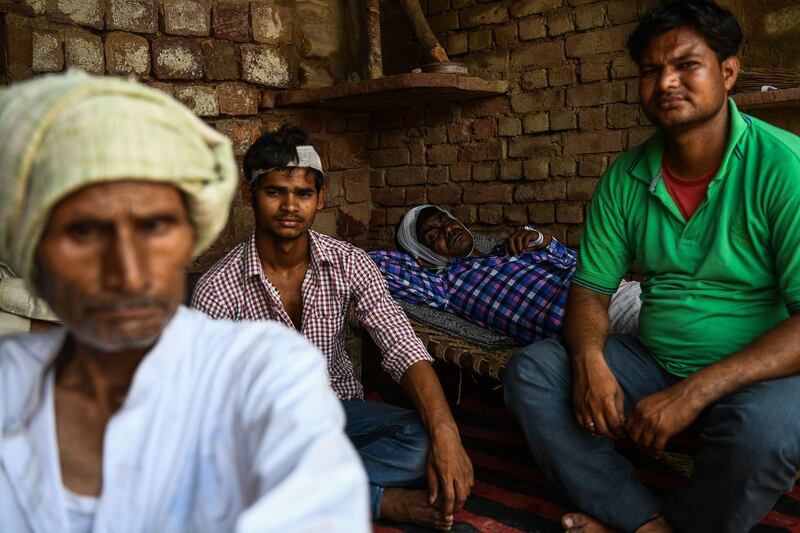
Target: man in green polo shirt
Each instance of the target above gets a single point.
(707, 208)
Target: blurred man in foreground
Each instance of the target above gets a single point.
(141, 415)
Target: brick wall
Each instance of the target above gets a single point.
(224, 59)
(536, 154)
(532, 156)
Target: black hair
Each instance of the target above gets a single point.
(422, 216)
(277, 150)
(717, 25)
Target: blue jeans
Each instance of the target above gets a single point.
(749, 457)
(392, 443)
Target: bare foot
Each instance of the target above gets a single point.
(412, 507)
(656, 525)
(583, 523)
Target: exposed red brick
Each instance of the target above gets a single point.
(242, 132)
(312, 122)
(385, 121)
(177, 58)
(537, 100)
(515, 214)
(390, 196)
(537, 168)
(377, 178)
(484, 129)
(415, 196)
(484, 151)
(623, 115)
(592, 118)
(592, 165)
(563, 119)
(542, 212)
(487, 193)
(483, 171)
(48, 52)
(272, 24)
(445, 194)
(593, 142)
(569, 213)
(622, 12)
(587, 17)
(581, 189)
(127, 53)
(460, 172)
(84, 50)
(221, 60)
(19, 47)
(390, 157)
(598, 41)
(232, 20)
(140, 16)
(543, 191)
(356, 185)
(378, 217)
(562, 166)
(592, 94)
(186, 17)
(523, 8)
(352, 221)
(442, 153)
(236, 98)
(481, 15)
(530, 146)
(510, 170)
(539, 54)
(490, 214)
(347, 151)
(439, 174)
(77, 12)
(484, 107)
(400, 176)
(458, 132)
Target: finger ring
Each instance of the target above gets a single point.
(591, 424)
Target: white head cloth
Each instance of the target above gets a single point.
(62, 132)
(307, 157)
(408, 238)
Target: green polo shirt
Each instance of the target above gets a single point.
(715, 283)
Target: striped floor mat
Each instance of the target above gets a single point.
(511, 495)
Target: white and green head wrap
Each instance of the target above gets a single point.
(66, 131)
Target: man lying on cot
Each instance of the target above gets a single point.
(517, 288)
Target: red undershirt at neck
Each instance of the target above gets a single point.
(687, 194)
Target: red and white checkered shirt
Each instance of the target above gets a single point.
(236, 288)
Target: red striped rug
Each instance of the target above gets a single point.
(511, 495)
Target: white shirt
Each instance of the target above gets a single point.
(225, 427)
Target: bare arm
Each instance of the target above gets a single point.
(597, 396)
(772, 355)
(449, 469)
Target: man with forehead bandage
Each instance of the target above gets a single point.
(140, 414)
(294, 275)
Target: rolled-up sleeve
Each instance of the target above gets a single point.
(385, 321)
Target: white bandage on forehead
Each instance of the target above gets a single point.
(408, 238)
(307, 157)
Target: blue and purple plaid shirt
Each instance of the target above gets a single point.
(521, 296)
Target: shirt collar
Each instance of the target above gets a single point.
(319, 255)
(319, 252)
(647, 163)
(252, 263)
